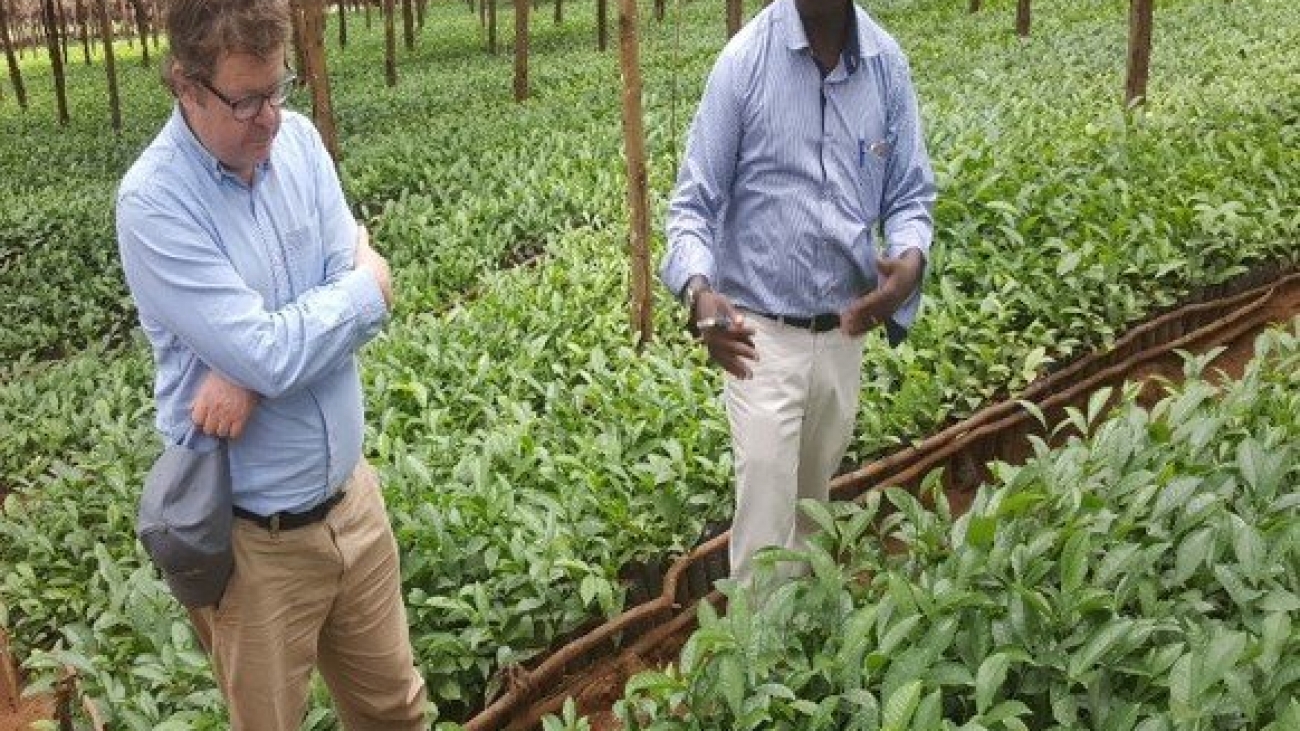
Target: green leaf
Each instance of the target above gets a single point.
(989, 678)
(731, 678)
(1278, 600)
(1193, 552)
(901, 705)
(1074, 561)
(1097, 646)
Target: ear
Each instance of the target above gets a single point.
(182, 87)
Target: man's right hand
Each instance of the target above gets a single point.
(731, 346)
(370, 260)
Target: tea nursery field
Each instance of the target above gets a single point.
(527, 450)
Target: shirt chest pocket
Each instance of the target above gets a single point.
(304, 258)
(873, 166)
(875, 148)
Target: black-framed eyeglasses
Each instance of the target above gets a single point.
(246, 108)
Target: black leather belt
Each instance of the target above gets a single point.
(289, 521)
(817, 323)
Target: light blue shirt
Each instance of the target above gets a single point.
(787, 174)
(256, 283)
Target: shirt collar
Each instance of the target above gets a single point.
(186, 140)
(858, 46)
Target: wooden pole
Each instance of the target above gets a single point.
(420, 7)
(521, 50)
(106, 35)
(559, 11)
(299, 54)
(10, 688)
(142, 30)
(56, 59)
(408, 25)
(1139, 51)
(312, 18)
(735, 12)
(602, 24)
(390, 43)
(634, 148)
(1023, 18)
(343, 24)
(15, 73)
(83, 27)
(63, 31)
(492, 27)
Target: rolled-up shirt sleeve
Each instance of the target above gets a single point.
(908, 205)
(704, 179)
(181, 279)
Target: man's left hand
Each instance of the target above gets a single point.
(221, 408)
(898, 279)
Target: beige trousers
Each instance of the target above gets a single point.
(327, 595)
(790, 426)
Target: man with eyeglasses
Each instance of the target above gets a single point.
(256, 287)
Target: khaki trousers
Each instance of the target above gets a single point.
(790, 426)
(327, 595)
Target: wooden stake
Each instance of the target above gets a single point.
(142, 30)
(83, 27)
(56, 59)
(110, 67)
(1022, 18)
(602, 24)
(521, 50)
(408, 25)
(735, 14)
(343, 24)
(15, 73)
(634, 148)
(1139, 51)
(10, 687)
(312, 18)
(390, 43)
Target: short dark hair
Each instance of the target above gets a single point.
(201, 32)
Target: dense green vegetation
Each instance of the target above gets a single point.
(1145, 577)
(527, 450)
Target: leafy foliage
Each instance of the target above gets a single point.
(527, 451)
(1141, 578)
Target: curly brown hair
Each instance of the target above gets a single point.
(201, 32)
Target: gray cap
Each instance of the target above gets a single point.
(185, 520)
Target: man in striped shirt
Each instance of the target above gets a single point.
(806, 145)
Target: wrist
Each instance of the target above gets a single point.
(695, 286)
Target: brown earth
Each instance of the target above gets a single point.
(25, 713)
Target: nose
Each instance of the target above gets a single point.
(267, 114)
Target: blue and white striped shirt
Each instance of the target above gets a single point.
(256, 283)
(787, 174)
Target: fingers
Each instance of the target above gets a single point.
(733, 349)
(222, 408)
